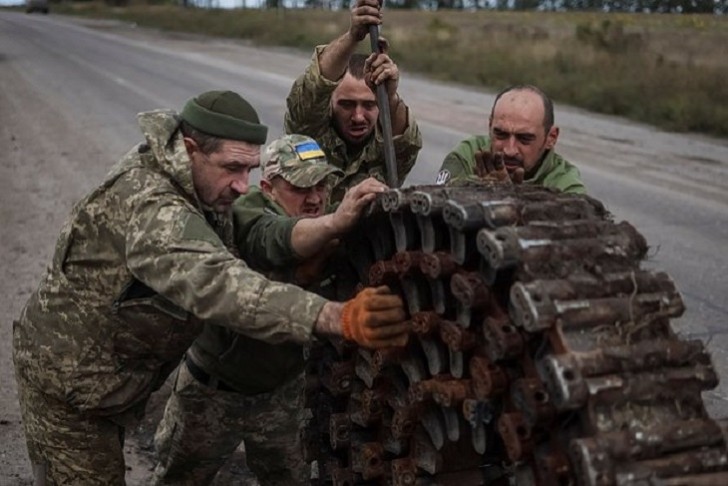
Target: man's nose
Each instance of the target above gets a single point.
(510, 147)
(240, 184)
(358, 114)
(313, 196)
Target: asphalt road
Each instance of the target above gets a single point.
(70, 90)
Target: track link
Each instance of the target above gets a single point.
(541, 352)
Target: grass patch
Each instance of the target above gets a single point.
(665, 70)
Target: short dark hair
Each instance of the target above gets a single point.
(356, 65)
(548, 105)
(207, 143)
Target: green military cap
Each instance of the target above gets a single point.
(297, 159)
(225, 114)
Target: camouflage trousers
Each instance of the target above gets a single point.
(68, 447)
(202, 427)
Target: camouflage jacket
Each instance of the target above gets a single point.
(554, 171)
(309, 113)
(137, 268)
(263, 236)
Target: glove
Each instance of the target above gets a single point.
(375, 318)
(490, 167)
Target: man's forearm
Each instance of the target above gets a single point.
(328, 323)
(334, 59)
(310, 235)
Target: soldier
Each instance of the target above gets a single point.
(333, 101)
(520, 144)
(233, 388)
(143, 261)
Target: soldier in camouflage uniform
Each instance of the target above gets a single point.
(520, 144)
(333, 101)
(142, 262)
(234, 388)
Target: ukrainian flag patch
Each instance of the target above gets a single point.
(309, 150)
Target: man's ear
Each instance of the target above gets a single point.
(551, 137)
(190, 145)
(266, 187)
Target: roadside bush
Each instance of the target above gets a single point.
(667, 70)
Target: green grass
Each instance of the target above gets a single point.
(665, 70)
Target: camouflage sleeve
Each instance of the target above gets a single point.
(171, 248)
(263, 239)
(406, 147)
(308, 101)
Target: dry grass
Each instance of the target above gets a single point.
(667, 70)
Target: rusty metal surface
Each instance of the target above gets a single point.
(541, 352)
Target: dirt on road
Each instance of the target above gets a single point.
(38, 187)
(42, 159)
(47, 163)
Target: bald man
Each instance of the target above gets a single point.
(519, 146)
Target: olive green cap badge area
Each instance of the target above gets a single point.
(225, 114)
(297, 159)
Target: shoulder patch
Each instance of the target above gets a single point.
(196, 228)
(442, 177)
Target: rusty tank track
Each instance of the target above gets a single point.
(541, 352)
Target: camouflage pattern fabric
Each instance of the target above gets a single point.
(138, 267)
(253, 368)
(67, 447)
(555, 171)
(247, 364)
(202, 427)
(298, 159)
(309, 113)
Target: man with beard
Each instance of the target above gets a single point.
(519, 147)
(333, 101)
(143, 262)
(232, 388)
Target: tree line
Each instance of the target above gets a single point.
(641, 6)
(635, 6)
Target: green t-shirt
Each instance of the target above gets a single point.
(262, 232)
(263, 238)
(554, 171)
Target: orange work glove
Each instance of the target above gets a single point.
(491, 167)
(375, 318)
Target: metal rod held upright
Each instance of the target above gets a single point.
(385, 118)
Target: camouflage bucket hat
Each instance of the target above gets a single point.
(297, 159)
